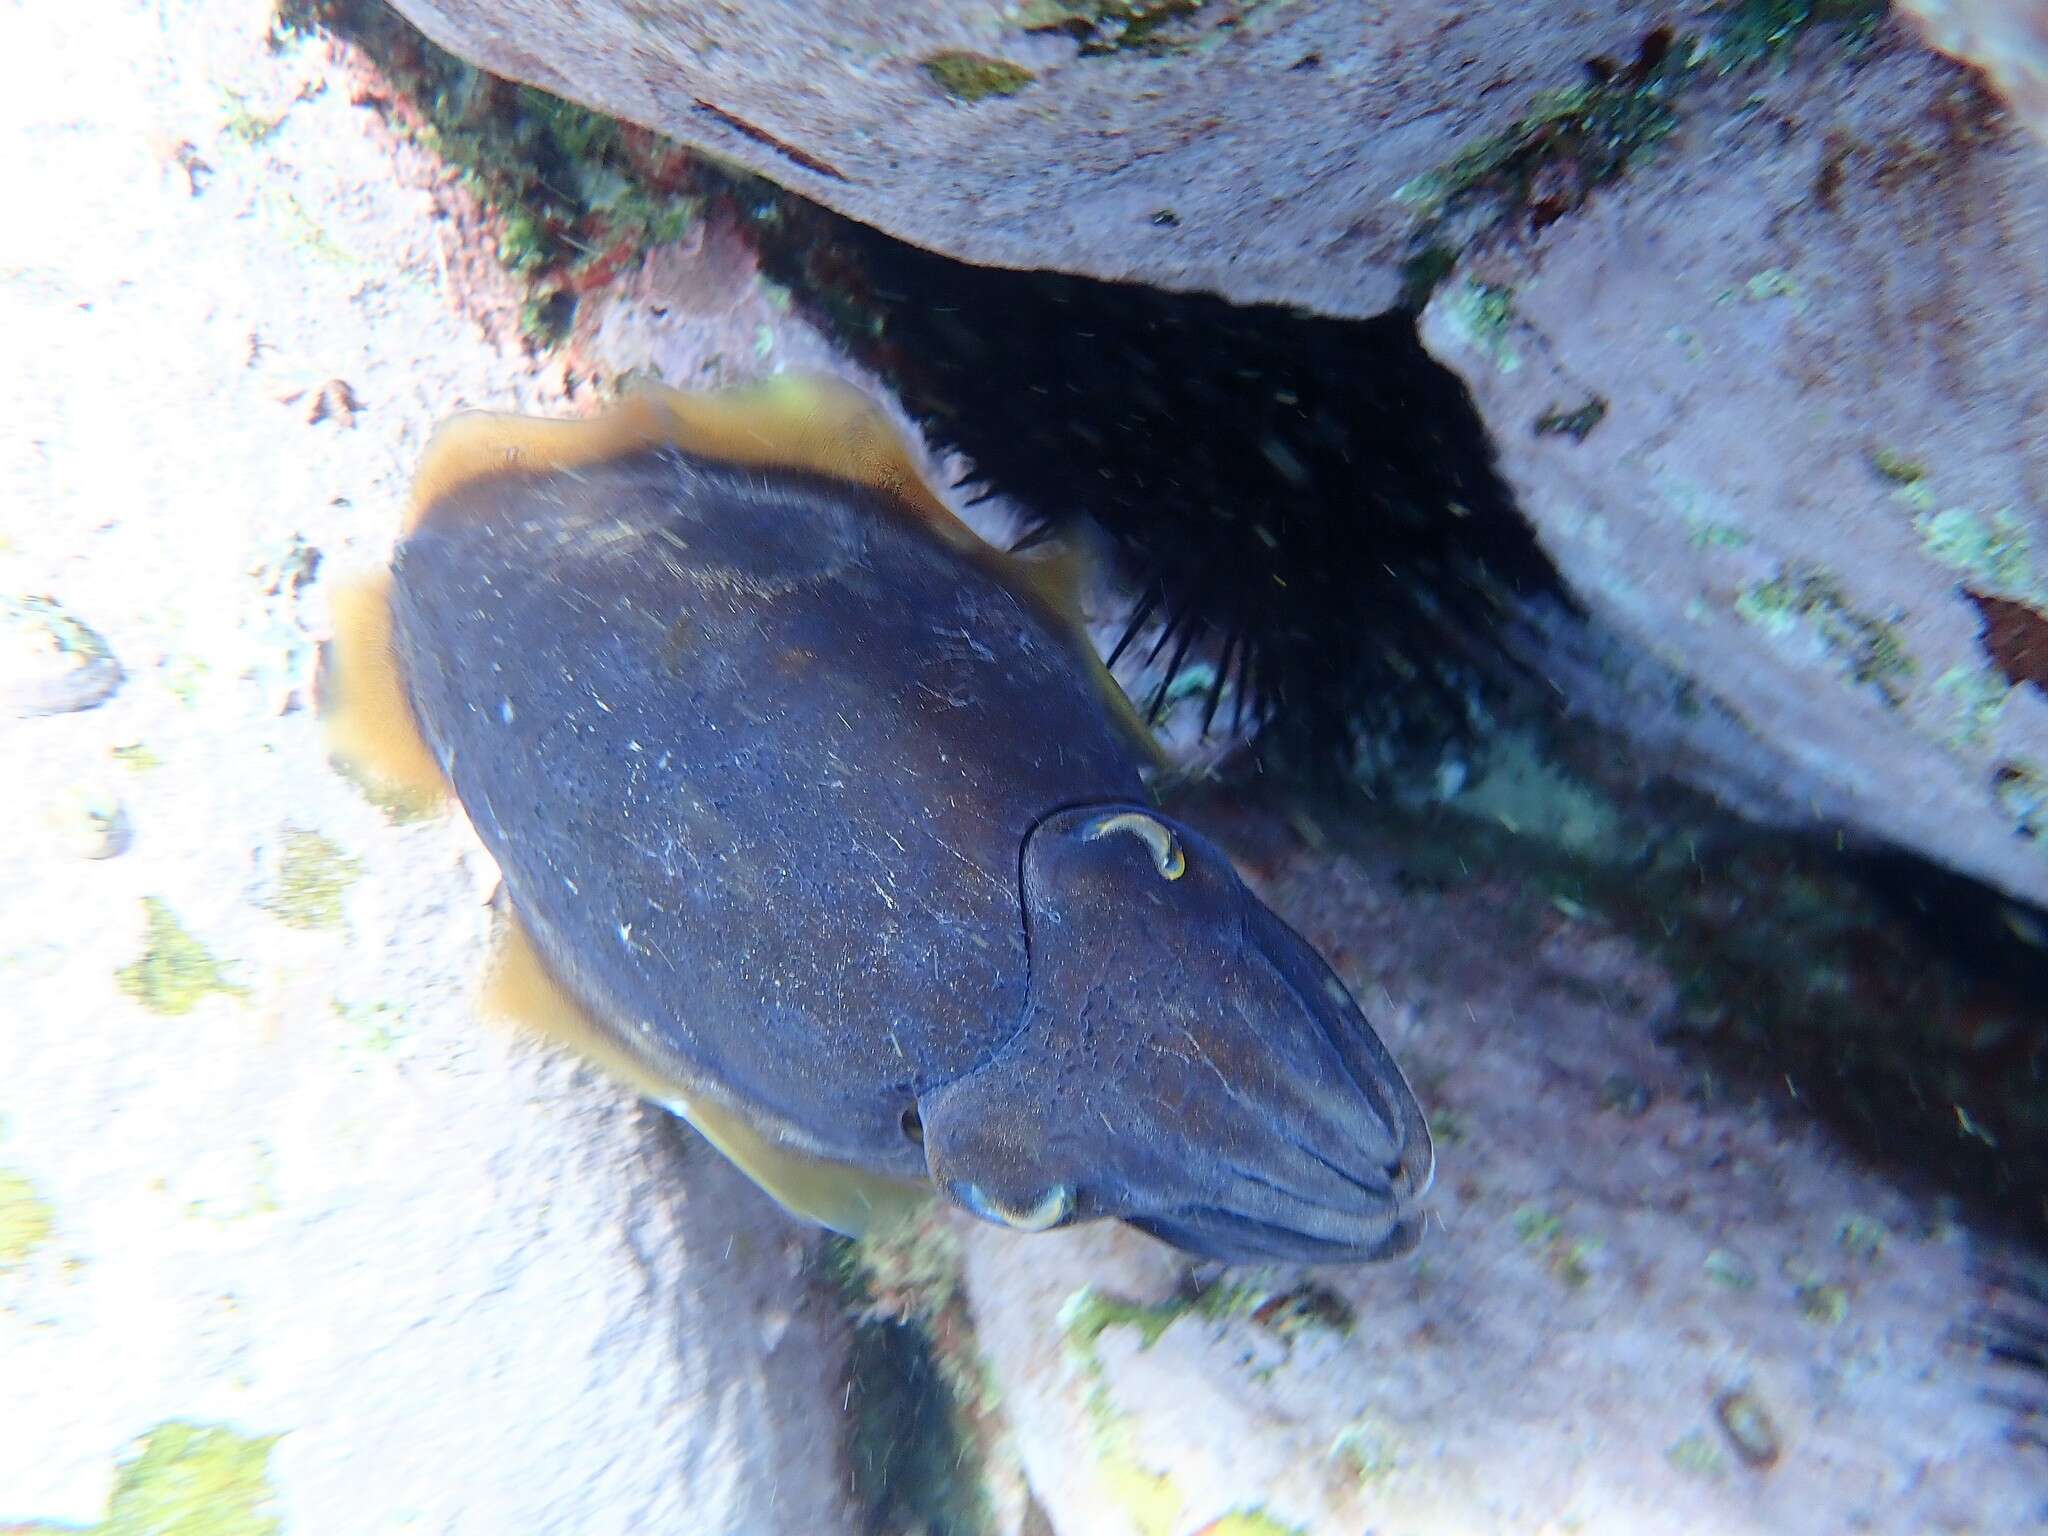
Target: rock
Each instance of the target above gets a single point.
(1252, 149)
(50, 662)
(2007, 39)
(1773, 403)
(1680, 1317)
(282, 1219)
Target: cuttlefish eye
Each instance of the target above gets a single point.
(1050, 1210)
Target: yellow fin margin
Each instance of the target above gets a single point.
(522, 991)
(807, 423)
(367, 715)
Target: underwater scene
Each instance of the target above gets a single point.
(1024, 768)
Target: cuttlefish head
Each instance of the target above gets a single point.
(1185, 1062)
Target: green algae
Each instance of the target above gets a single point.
(1752, 31)
(975, 77)
(1870, 650)
(579, 195)
(188, 1479)
(1284, 1311)
(1105, 27)
(312, 876)
(1147, 1496)
(1570, 1259)
(245, 125)
(175, 972)
(1568, 142)
(26, 1220)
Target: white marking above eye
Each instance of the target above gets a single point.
(1167, 855)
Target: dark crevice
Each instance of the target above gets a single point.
(1312, 500)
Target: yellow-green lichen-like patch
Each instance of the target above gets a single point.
(136, 757)
(25, 1219)
(1868, 649)
(311, 877)
(187, 1480)
(976, 76)
(186, 679)
(1697, 1453)
(378, 1029)
(1896, 467)
(176, 972)
(1250, 1522)
(1149, 1498)
(1570, 1259)
(1479, 314)
(1979, 695)
(1998, 556)
(1089, 1312)
(1775, 283)
(1823, 1304)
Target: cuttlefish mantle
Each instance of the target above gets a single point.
(825, 827)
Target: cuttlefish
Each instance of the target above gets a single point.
(824, 819)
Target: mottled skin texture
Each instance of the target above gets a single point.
(785, 785)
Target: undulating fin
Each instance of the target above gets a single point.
(368, 716)
(478, 444)
(817, 424)
(521, 990)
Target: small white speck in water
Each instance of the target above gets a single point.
(505, 711)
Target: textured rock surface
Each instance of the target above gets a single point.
(261, 1164)
(1252, 149)
(1644, 1309)
(1812, 325)
(2007, 39)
